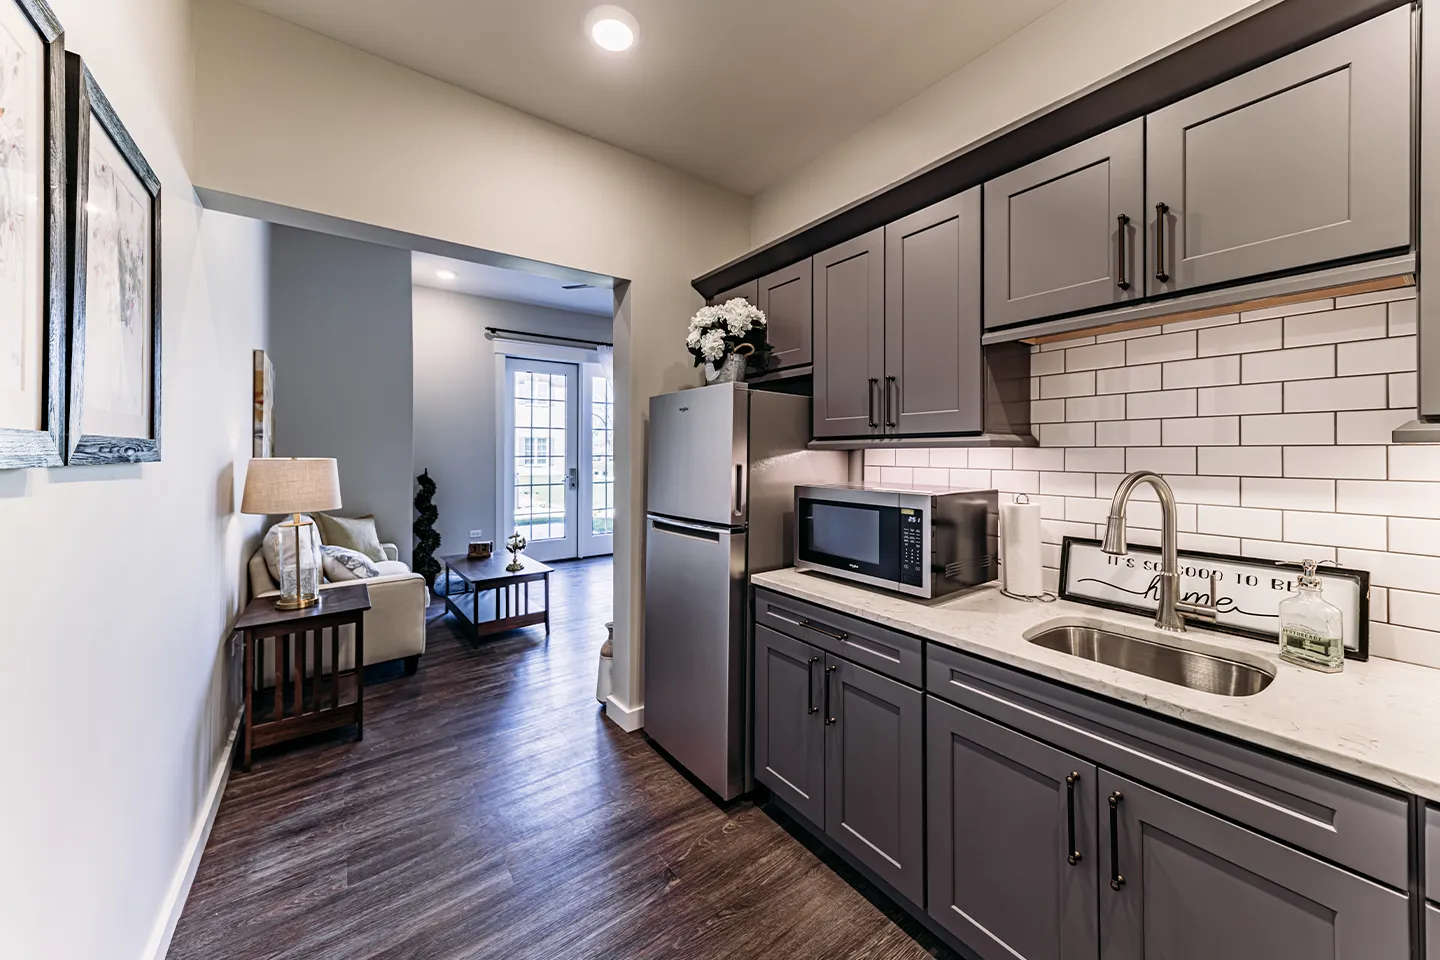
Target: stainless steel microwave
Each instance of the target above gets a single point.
(919, 541)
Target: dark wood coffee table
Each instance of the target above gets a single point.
(512, 593)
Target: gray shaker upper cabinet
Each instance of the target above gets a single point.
(848, 283)
(1177, 883)
(1065, 233)
(1299, 162)
(934, 373)
(746, 291)
(785, 297)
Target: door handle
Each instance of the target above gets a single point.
(889, 383)
(828, 671)
(1116, 879)
(1161, 209)
(739, 489)
(1073, 856)
(870, 401)
(810, 686)
(842, 636)
(1121, 281)
(572, 477)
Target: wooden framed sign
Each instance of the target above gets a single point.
(1249, 590)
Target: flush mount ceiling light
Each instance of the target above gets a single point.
(612, 28)
(446, 275)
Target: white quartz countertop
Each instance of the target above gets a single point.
(1379, 720)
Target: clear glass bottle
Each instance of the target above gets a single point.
(1310, 626)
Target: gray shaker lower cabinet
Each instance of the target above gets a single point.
(789, 725)
(1012, 840)
(874, 774)
(1177, 883)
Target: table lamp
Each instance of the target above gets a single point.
(293, 485)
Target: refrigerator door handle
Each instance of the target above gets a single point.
(680, 528)
(739, 490)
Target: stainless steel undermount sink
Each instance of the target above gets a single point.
(1209, 672)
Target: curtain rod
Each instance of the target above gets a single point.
(506, 334)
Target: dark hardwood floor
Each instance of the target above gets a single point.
(491, 811)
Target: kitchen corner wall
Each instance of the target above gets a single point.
(1273, 428)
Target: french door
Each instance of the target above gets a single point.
(564, 511)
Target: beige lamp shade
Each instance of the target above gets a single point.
(291, 485)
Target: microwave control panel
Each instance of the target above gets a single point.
(912, 541)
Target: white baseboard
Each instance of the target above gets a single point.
(175, 897)
(626, 718)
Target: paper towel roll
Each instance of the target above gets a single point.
(1020, 541)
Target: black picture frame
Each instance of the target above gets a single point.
(1360, 652)
(85, 99)
(21, 448)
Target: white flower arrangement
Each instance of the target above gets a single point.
(733, 327)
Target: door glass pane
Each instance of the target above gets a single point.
(602, 461)
(539, 466)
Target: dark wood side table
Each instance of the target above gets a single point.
(306, 699)
(512, 595)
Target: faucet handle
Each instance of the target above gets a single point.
(1196, 611)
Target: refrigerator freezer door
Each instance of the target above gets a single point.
(698, 456)
(695, 671)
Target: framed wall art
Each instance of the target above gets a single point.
(264, 406)
(33, 275)
(114, 237)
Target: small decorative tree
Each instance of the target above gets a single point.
(427, 541)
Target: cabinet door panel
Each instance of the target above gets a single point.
(1299, 162)
(746, 291)
(849, 348)
(1000, 814)
(934, 374)
(789, 730)
(785, 297)
(1196, 887)
(1054, 241)
(874, 802)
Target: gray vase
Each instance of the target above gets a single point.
(731, 370)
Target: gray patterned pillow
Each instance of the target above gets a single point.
(342, 564)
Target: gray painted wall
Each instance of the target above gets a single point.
(341, 343)
(455, 398)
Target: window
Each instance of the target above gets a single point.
(540, 400)
(602, 456)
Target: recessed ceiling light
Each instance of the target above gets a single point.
(612, 28)
(446, 275)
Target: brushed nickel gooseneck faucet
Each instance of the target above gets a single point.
(1171, 613)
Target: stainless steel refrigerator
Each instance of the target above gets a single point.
(724, 461)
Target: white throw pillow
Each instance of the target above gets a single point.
(278, 547)
(342, 564)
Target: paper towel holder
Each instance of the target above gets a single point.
(1045, 596)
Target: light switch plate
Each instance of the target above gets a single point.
(477, 534)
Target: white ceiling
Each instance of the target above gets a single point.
(483, 280)
(739, 92)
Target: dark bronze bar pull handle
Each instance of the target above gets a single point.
(1116, 880)
(841, 635)
(889, 421)
(870, 401)
(828, 670)
(1070, 781)
(1121, 281)
(810, 686)
(1161, 209)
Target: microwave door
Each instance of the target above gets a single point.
(860, 541)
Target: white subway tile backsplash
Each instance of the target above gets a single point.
(1147, 515)
(1221, 491)
(1239, 522)
(1351, 463)
(1405, 643)
(1055, 531)
(1087, 509)
(1067, 385)
(1243, 338)
(1410, 609)
(1047, 411)
(1417, 462)
(897, 474)
(1167, 346)
(1391, 355)
(1051, 508)
(1163, 460)
(912, 457)
(950, 457)
(1015, 481)
(1200, 432)
(1403, 389)
(1247, 398)
(1336, 529)
(1239, 461)
(1104, 407)
(991, 458)
(1402, 318)
(932, 476)
(1305, 364)
(1342, 393)
(1162, 403)
(1337, 326)
(1370, 426)
(1039, 458)
(1067, 484)
(972, 479)
(1409, 535)
(1288, 552)
(1094, 460)
(1095, 356)
(1047, 363)
(1209, 542)
(1288, 310)
(1392, 498)
(1287, 494)
(1128, 379)
(1379, 603)
(1126, 433)
(1204, 372)
(1287, 428)
(872, 474)
(1201, 323)
(1396, 570)
(1069, 434)
(880, 458)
